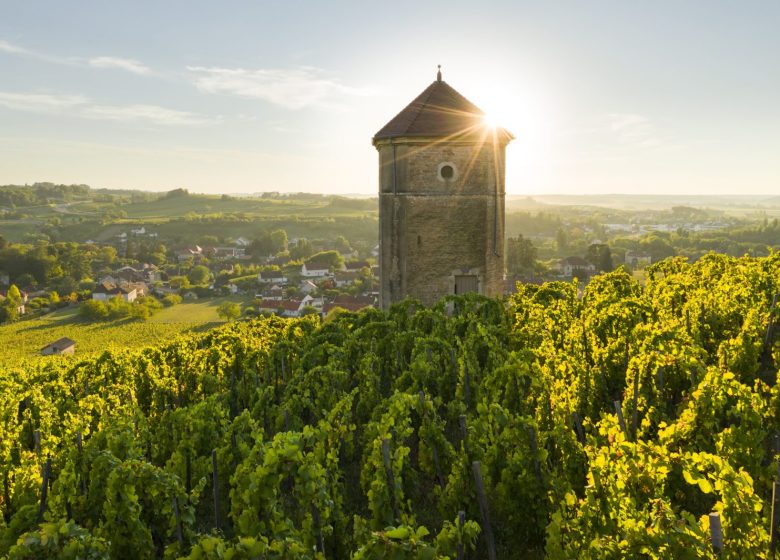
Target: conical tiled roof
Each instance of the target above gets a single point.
(439, 111)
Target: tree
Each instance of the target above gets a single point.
(171, 300)
(140, 312)
(658, 247)
(520, 255)
(14, 295)
(600, 256)
(342, 245)
(93, 310)
(302, 249)
(309, 310)
(8, 312)
(561, 240)
(278, 240)
(199, 275)
(179, 282)
(330, 258)
(229, 311)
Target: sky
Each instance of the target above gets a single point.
(646, 97)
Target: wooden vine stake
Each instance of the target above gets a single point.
(777, 452)
(434, 448)
(464, 431)
(466, 385)
(80, 448)
(487, 530)
(44, 488)
(535, 453)
(771, 324)
(461, 522)
(188, 467)
(179, 530)
(716, 532)
(619, 412)
(215, 486)
(635, 410)
(767, 362)
(575, 418)
(7, 499)
(774, 538)
(390, 477)
(315, 517)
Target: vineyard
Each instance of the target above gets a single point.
(623, 422)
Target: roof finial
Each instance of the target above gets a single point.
(438, 74)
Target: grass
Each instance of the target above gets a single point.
(199, 311)
(24, 339)
(177, 207)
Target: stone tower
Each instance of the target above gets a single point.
(441, 199)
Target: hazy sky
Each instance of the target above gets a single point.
(677, 97)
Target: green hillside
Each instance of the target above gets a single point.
(26, 338)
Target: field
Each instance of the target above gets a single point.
(28, 337)
(171, 217)
(200, 312)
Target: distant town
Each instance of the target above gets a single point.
(109, 256)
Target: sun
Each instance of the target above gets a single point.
(490, 120)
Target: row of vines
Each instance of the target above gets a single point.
(604, 424)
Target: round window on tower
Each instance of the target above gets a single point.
(447, 171)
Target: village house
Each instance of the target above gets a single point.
(62, 346)
(349, 303)
(283, 308)
(356, 266)
(274, 293)
(272, 277)
(345, 277)
(231, 288)
(195, 253)
(315, 270)
(105, 291)
(307, 287)
(128, 274)
(289, 307)
(228, 252)
(574, 266)
(148, 273)
(638, 260)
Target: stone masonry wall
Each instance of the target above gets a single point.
(432, 229)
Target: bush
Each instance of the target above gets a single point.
(140, 312)
(118, 308)
(229, 310)
(171, 299)
(150, 302)
(94, 310)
